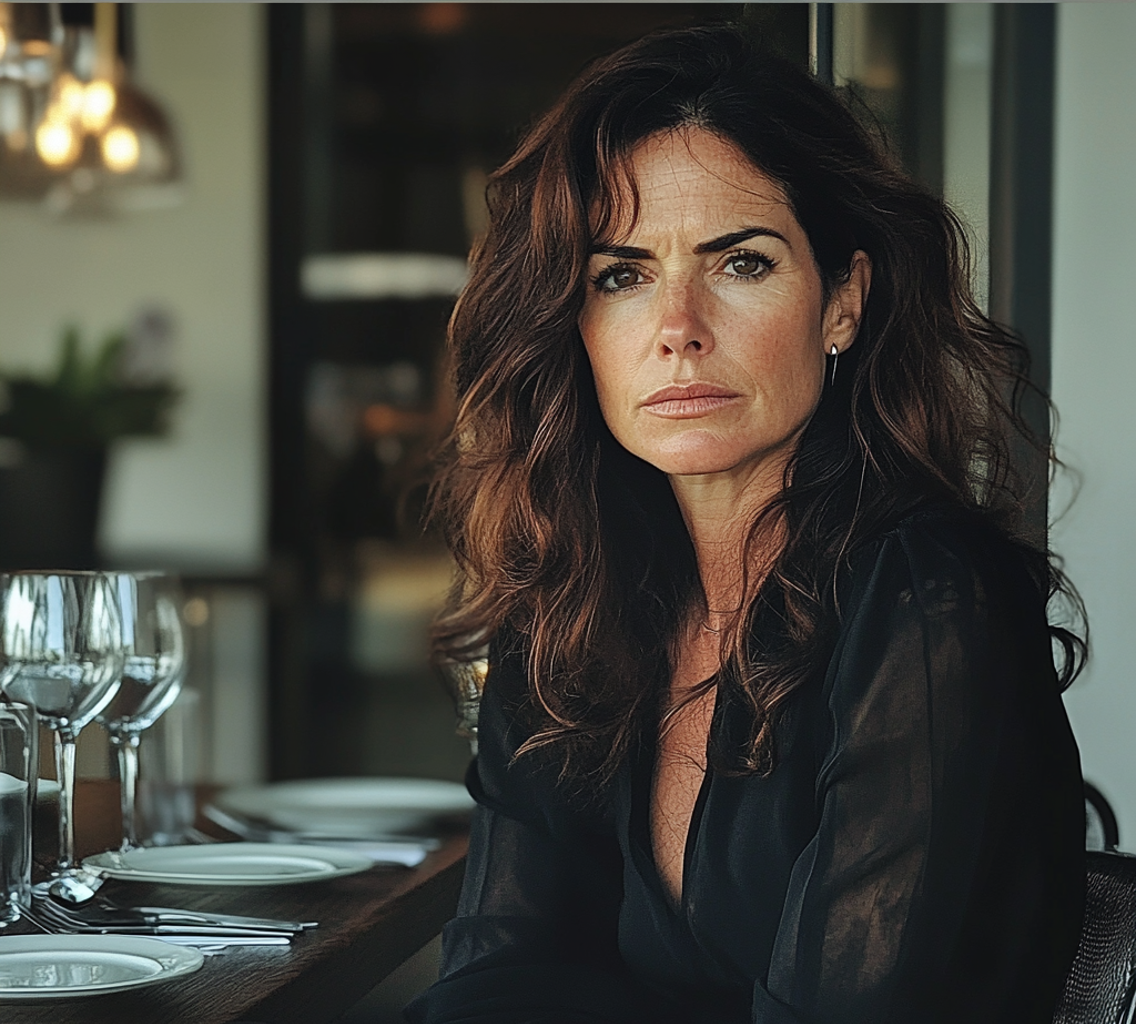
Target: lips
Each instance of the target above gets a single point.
(673, 392)
(683, 400)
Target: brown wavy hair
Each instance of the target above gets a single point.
(571, 552)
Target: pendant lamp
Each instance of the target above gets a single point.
(101, 145)
(31, 37)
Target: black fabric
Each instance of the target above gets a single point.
(917, 855)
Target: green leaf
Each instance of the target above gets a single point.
(83, 404)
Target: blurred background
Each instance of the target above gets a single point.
(255, 274)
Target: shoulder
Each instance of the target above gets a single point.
(943, 602)
(500, 713)
(940, 560)
(524, 786)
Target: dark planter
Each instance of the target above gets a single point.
(49, 509)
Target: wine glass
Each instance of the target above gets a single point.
(153, 646)
(61, 636)
(466, 680)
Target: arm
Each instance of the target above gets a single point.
(534, 938)
(945, 882)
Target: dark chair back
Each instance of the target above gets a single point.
(1102, 981)
(1102, 831)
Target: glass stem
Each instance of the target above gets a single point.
(65, 772)
(127, 745)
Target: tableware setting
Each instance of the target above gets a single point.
(54, 916)
(391, 820)
(18, 756)
(205, 930)
(82, 646)
(77, 647)
(60, 637)
(168, 770)
(54, 966)
(242, 864)
(153, 648)
(402, 851)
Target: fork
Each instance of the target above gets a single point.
(104, 912)
(34, 918)
(53, 918)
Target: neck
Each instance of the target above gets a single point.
(718, 510)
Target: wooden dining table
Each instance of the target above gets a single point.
(369, 923)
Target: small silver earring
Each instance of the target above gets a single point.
(835, 353)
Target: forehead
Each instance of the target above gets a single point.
(692, 176)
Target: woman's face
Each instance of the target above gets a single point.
(705, 321)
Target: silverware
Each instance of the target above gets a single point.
(77, 887)
(100, 922)
(106, 912)
(210, 946)
(171, 914)
(206, 942)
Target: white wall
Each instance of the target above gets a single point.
(966, 129)
(198, 498)
(1094, 375)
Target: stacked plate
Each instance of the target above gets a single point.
(361, 808)
(228, 864)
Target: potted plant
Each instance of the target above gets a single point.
(55, 431)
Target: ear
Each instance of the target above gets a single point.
(846, 304)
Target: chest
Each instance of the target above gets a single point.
(716, 878)
(680, 764)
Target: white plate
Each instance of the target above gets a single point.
(229, 864)
(349, 807)
(64, 966)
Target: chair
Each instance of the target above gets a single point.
(1102, 981)
(1101, 829)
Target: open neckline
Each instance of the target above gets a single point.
(642, 795)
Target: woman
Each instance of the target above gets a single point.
(772, 730)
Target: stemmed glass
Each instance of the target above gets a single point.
(153, 668)
(61, 635)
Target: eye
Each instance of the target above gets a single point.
(618, 277)
(747, 264)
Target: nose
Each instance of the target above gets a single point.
(684, 329)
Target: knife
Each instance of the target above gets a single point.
(172, 915)
(200, 930)
(217, 944)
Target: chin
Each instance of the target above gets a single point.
(702, 461)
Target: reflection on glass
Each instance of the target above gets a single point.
(153, 645)
(62, 647)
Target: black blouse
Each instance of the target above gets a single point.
(917, 854)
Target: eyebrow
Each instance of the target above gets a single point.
(719, 244)
(724, 242)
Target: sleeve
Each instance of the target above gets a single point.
(535, 936)
(946, 879)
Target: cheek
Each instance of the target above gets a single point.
(783, 348)
(608, 361)
(611, 388)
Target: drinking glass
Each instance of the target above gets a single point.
(467, 681)
(168, 771)
(19, 760)
(61, 639)
(153, 645)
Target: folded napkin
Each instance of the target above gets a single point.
(408, 852)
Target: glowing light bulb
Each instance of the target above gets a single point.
(99, 101)
(3, 40)
(55, 142)
(70, 95)
(120, 149)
